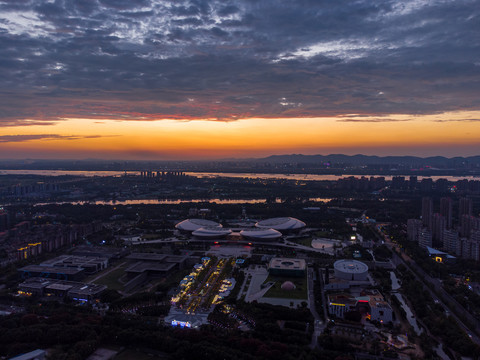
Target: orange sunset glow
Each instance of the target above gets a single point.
(197, 139)
(214, 79)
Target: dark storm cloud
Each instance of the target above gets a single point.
(231, 59)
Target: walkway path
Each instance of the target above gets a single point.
(255, 291)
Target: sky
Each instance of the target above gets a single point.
(212, 79)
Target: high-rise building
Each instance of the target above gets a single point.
(450, 240)
(438, 225)
(441, 185)
(425, 238)
(427, 212)
(446, 206)
(475, 245)
(459, 250)
(471, 249)
(468, 224)
(398, 182)
(414, 226)
(426, 185)
(4, 220)
(413, 182)
(465, 207)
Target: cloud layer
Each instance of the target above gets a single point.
(23, 138)
(220, 59)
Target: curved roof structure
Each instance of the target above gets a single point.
(281, 224)
(288, 286)
(261, 234)
(350, 269)
(211, 232)
(195, 224)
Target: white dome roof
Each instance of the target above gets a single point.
(211, 232)
(195, 224)
(281, 223)
(261, 234)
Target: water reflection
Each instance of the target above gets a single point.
(410, 317)
(172, 201)
(395, 282)
(262, 176)
(159, 202)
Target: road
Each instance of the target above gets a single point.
(318, 322)
(426, 280)
(287, 244)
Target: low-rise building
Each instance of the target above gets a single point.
(287, 267)
(371, 303)
(76, 291)
(339, 304)
(52, 272)
(91, 265)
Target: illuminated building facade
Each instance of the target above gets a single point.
(371, 303)
(76, 291)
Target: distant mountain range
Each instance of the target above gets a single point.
(370, 160)
(334, 163)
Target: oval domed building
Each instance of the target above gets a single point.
(191, 225)
(282, 224)
(259, 234)
(211, 232)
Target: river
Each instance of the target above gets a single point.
(395, 282)
(263, 176)
(172, 201)
(410, 317)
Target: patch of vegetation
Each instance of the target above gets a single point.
(350, 250)
(306, 241)
(111, 279)
(300, 292)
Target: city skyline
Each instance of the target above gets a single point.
(195, 80)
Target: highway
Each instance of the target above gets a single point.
(444, 297)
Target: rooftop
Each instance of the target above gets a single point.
(51, 269)
(147, 256)
(281, 223)
(142, 266)
(287, 264)
(350, 266)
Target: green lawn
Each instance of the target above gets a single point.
(305, 242)
(300, 292)
(112, 279)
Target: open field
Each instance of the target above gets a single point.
(305, 241)
(300, 292)
(111, 278)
